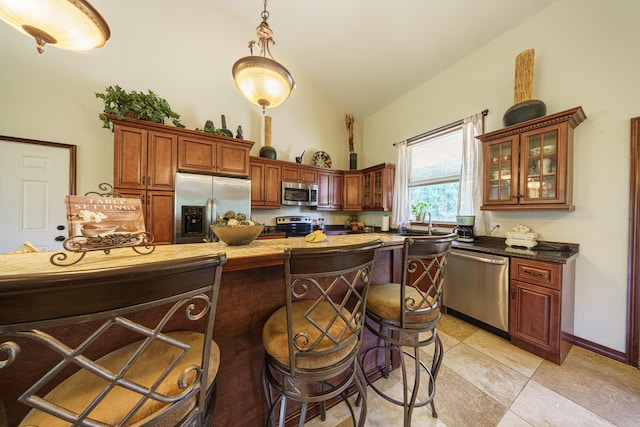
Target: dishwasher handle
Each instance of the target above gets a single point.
(480, 258)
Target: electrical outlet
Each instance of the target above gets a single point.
(497, 227)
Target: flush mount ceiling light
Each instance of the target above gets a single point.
(262, 80)
(67, 24)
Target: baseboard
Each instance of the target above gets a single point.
(596, 348)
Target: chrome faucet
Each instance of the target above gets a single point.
(430, 226)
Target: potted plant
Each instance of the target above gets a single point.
(142, 106)
(419, 209)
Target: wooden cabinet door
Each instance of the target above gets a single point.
(158, 212)
(543, 166)
(162, 154)
(324, 190)
(299, 174)
(130, 157)
(160, 216)
(272, 186)
(352, 191)
(232, 159)
(377, 187)
(308, 176)
(329, 190)
(336, 191)
(535, 317)
(501, 170)
(265, 185)
(196, 154)
(290, 174)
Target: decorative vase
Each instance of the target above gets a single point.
(523, 111)
(353, 161)
(268, 152)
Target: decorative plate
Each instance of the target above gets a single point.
(322, 159)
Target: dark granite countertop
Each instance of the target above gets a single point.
(555, 252)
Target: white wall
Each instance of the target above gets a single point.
(184, 53)
(587, 54)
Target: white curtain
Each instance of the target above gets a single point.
(401, 210)
(470, 193)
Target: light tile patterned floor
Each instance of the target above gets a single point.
(485, 381)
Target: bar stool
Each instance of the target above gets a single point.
(129, 345)
(402, 314)
(312, 343)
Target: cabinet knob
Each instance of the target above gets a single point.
(148, 180)
(143, 179)
(513, 293)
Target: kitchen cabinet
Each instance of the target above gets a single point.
(530, 165)
(265, 183)
(542, 307)
(144, 167)
(213, 154)
(158, 209)
(352, 191)
(330, 190)
(377, 187)
(298, 173)
(144, 159)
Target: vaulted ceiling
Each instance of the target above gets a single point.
(364, 54)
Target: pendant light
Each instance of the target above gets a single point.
(261, 79)
(67, 24)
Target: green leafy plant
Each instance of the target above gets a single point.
(420, 208)
(142, 106)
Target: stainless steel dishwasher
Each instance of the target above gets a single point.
(477, 286)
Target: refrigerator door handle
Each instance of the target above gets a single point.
(214, 218)
(207, 221)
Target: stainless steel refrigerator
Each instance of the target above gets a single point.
(200, 199)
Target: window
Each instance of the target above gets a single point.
(436, 162)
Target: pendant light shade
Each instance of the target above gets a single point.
(67, 24)
(262, 80)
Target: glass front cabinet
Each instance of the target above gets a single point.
(530, 165)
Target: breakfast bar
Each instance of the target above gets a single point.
(251, 290)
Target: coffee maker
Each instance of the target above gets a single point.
(464, 228)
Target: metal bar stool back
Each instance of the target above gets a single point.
(312, 342)
(129, 345)
(405, 315)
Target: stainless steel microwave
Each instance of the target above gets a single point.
(299, 194)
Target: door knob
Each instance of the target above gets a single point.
(59, 239)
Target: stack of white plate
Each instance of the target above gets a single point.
(528, 240)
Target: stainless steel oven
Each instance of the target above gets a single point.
(294, 226)
(299, 194)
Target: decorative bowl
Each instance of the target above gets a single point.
(236, 236)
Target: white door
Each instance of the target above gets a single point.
(34, 179)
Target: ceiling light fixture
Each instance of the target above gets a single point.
(262, 80)
(67, 24)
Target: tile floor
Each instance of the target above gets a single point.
(485, 381)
